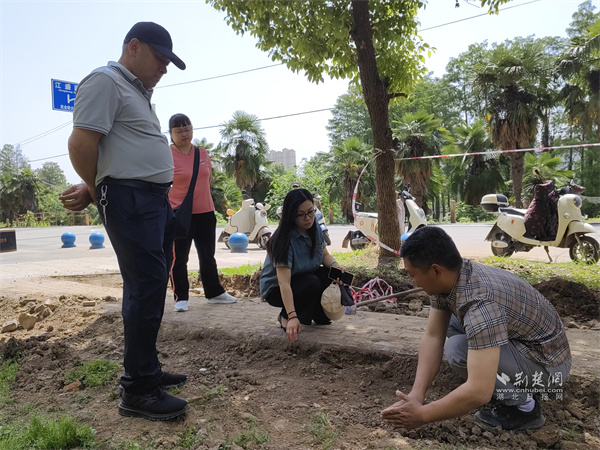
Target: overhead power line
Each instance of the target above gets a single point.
(212, 126)
(49, 157)
(473, 17)
(271, 118)
(219, 76)
(46, 133)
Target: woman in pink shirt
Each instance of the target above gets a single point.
(204, 222)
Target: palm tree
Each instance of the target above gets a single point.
(544, 167)
(344, 164)
(472, 177)
(513, 87)
(418, 135)
(580, 67)
(243, 149)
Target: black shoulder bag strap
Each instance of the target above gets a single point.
(195, 174)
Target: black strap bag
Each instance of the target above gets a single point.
(183, 214)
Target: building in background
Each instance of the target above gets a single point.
(286, 157)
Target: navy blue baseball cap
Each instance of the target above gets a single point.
(156, 37)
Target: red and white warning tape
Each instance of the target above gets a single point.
(374, 288)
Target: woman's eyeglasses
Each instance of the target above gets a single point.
(183, 130)
(310, 213)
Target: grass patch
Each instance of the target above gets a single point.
(536, 271)
(8, 372)
(94, 373)
(322, 430)
(246, 269)
(255, 435)
(44, 433)
(365, 262)
(129, 445)
(190, 438)
(209, 396)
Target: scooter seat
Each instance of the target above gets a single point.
(515, 211)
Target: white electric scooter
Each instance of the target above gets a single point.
(251, 220)
(508, 235)
(366, 222)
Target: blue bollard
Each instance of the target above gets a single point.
(96, 239)
(68, 240)
(238, 243)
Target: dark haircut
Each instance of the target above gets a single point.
(279, 244)
(431, 245)
(179, 120)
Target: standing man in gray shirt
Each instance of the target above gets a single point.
(125, 162)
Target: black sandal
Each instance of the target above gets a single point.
(280, 319)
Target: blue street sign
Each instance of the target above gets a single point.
(63, 95)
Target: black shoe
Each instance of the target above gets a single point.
(157, 405)
(169, 380)
(511, 418)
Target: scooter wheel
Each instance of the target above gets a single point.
(262, 242)
(358, 240)
(326, 237)
(226, 241)
(499, 251)
(588, 251)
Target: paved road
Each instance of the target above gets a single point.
(39, 251)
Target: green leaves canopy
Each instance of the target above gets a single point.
(315, 36)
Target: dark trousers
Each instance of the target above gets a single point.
(518, 376)
(202, 232)
(140, 225)
(307, 289)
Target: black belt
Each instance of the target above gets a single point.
(157, 188)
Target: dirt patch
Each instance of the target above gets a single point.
(235, 386)
(572, 300)
(302, 397)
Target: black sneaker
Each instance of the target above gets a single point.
(511, 418)
(157, 405)
(169, 380)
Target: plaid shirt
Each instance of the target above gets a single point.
(495, 306)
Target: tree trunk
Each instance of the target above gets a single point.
(377, 100)
(545, 130)
(516, 174)
(347, 199)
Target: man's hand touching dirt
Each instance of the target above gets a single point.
(405, 413)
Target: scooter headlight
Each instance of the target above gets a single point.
(574, 200)
(263, 213)
(421, 213)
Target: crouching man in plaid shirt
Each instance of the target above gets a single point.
(496, 330)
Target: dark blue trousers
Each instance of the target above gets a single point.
(140, 225)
